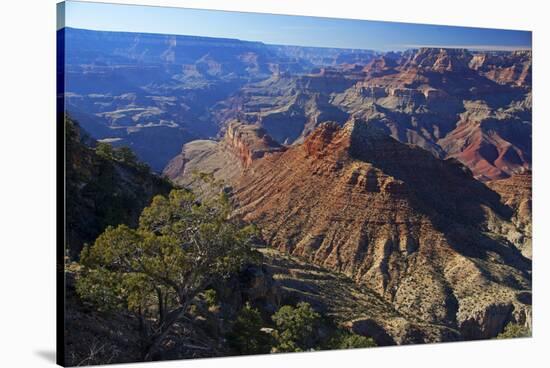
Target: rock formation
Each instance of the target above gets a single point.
(413, 228)
(287, 106)
(505, 68)
(446, 101)
(225, 159)
(351, 304)
(441, 100)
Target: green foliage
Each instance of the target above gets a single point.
(211, 298)
(207, 178)
(213, 245)
(126, 155)
(180, 247)
(71, 133)
(119, 275)
(246, 336)
(207, 184)
(104, 150)
(296, 328)
(123, 155)
(104, 288)
(347, 340)
(300, 328)
(514, 330)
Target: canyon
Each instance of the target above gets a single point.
(155, 93)
(419, 231)
(405, 173)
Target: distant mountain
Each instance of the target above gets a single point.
(436, 99)
(155, 92)
(447, 101)
(514, 68)
(289, 106)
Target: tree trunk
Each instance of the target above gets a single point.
(156, 339)
(160, 306)
(169, 320)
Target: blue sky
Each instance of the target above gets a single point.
(287, 30)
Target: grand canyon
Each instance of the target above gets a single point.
(391, 190)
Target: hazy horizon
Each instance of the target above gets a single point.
(291, 30)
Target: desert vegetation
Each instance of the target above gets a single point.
(161, 274)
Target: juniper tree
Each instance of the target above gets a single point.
(155, 271)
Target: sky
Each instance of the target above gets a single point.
(288, 30)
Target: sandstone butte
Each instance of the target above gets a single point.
(418, 231)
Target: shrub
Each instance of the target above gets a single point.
(296, 328)
(211, 298)
(104, 150)
(514, 330)
(246, 336)
(347, 340)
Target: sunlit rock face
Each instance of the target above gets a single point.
(410, 226)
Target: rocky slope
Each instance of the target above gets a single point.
(95, 337)
(505, 68)
(413, 228)
(350, 304)
(516, 192)
(101, 191)
(225, 159)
